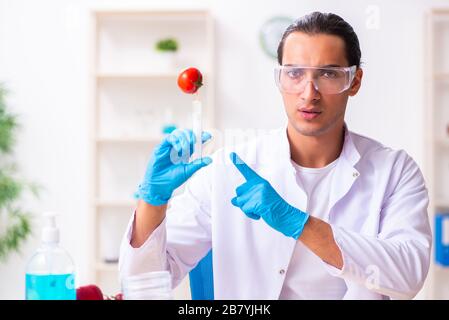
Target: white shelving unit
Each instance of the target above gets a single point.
(437, 129)
(133, 92)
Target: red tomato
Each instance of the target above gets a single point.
(190, 80)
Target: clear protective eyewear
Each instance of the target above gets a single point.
(326, 80)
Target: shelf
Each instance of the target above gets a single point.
(115, 204)
(442, 203)
(443, 142)
(132, 75)
(154, 140)
(437, 66)
(443, 11)
(148, 75)
(442, 76)
(154, 15)
(134, 97)
(109, 267)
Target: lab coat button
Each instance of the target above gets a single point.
(281, 272)
(355, 174)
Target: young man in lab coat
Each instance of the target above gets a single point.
(309, 211)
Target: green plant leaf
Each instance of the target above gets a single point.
(18, 222)
(168, 44)
(10, 189)
(18, 230)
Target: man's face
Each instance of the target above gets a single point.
(316, 51)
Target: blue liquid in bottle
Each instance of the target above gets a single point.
(50, 287)
(50, 271)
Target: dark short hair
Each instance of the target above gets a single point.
(325, 23)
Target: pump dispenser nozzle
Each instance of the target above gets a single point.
(50, 233)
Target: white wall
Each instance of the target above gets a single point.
(392, 52)
(44, 61)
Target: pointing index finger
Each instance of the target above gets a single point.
(241, 166)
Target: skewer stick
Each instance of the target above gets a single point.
(197, 126)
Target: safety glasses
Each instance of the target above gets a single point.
(328, 80)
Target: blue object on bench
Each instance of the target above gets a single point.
(441, 238)
(202, 279)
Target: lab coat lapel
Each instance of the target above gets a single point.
(282, 176)
(345, 173)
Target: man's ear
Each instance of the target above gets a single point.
(356, 83)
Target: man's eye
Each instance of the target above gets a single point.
(329, 74)
(294, 73)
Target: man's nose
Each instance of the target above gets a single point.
(310, 93)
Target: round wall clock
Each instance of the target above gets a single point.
(271, 34)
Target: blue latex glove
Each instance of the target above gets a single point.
(257, 198)
(169, 166)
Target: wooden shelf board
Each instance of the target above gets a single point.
(442, 203)
(117, 204)
(442, 76)
(149, 15)
(145, 75)
(109, 267)
(129, 140)
(159, 13)
(135, 75)
(440, 11)
(443, 142)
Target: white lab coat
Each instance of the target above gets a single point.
(378, 215)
